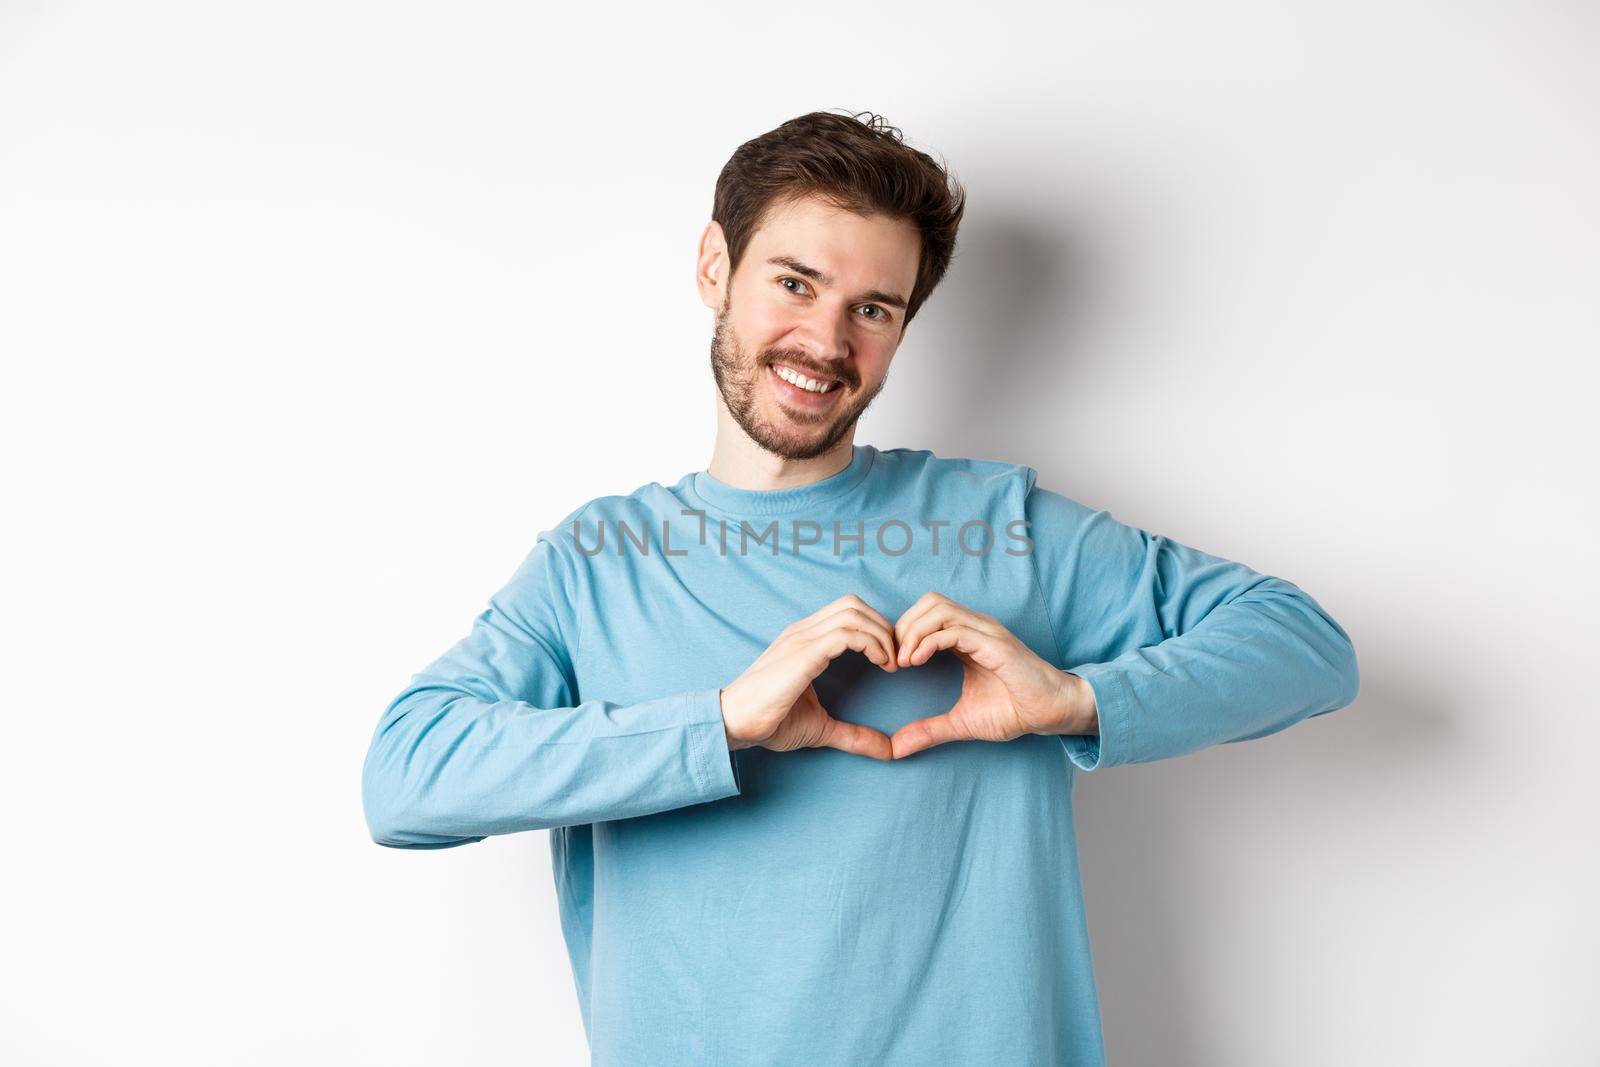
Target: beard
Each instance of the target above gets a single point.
(802, 435)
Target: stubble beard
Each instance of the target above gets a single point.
(738, 374)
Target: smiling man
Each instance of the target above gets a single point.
(804, 725)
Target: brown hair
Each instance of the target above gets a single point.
(856, 164)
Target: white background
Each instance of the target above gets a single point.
(313, 315)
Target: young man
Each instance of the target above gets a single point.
(804, 725)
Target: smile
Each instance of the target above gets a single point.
(802, 382)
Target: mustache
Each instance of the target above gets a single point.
(807, 367)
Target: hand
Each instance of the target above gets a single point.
(1006, 689)
(773, 703)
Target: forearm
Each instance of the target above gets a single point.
(446, 768)
(1253, 667)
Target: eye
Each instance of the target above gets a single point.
(797, 281)
(881, 316)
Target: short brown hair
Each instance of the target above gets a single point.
(857, 164)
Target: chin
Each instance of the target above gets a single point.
(793, 440)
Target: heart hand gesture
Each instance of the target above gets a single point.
(1006, 689)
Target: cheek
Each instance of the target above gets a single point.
(873, 357)
(765, 325)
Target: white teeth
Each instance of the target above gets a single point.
(808, 384)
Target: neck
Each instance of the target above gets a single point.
(738, 461)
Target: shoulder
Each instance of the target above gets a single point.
(578, 528)
(965, 476)
(592, 529)
(1013, 487)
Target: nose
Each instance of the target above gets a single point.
(825, 337)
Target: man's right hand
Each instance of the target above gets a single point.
(773, 703)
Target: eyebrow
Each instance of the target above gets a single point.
(875, 295)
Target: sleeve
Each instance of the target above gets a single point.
(1183, 649)
(490, 738)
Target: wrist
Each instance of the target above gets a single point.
(734, 744)
(1079, 713)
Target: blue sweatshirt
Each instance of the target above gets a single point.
(817, 907)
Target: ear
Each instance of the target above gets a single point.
(711, 266)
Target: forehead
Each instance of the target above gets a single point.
(874, 251)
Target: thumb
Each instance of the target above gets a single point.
(856, 739)
(925, 733)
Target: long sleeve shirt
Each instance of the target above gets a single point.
(814, 906)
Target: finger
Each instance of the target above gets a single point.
(868, 622)
(861, 615)
(939, 610)
(938, 618)
(959, 612)
(937, 614)
(849, 600)
(862, 612)
(830, 644)
(882, 636)
(862, 605)
(857, 739)
(985, 649)
(925, 733)
(925, 603)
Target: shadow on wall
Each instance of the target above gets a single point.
(1012, 333)
(1003, 330)
(1148, 836)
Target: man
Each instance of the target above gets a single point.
(804, 725)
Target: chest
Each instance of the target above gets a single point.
(653, 624)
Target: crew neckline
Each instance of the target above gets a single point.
(734, 501)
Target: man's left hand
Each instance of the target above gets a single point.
(1006, 689)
